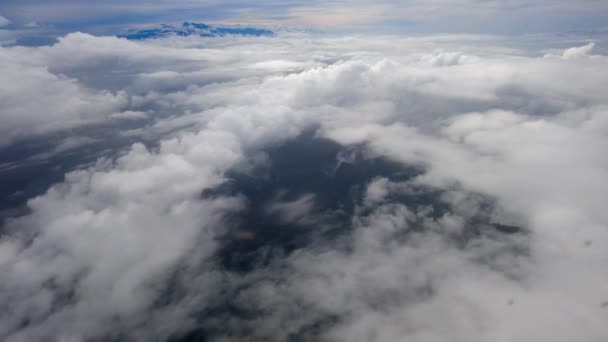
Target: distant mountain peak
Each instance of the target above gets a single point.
(193, 29)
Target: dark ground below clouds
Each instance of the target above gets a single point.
(29, 167)
(306, 166)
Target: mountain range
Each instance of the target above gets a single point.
(193, 29)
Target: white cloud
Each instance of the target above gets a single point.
(448, 58)
(577, 52)
(116, 229)
(35, 101)
(96, 250)
(546, 171)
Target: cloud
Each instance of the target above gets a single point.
(577, 52)
(448, 58)
(109, 217)
(128, 248)
(129, 115)
(378, 287)
(36, 101)
(4, 21)
(534, 175)
(324, 17)
(296, 211)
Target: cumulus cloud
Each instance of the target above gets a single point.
(448, 58)
(36, 101)
(541, 180)
(110, 227)
(577, 52)
(501, 139)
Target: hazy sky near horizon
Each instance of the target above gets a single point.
(434, 16)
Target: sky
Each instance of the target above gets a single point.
(473, 16)
(340, 180)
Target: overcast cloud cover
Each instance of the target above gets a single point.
(506, 132)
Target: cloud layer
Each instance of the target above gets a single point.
(126, 248)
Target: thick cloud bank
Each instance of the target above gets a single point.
(500, 233)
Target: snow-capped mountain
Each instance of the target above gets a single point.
(193, 29)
